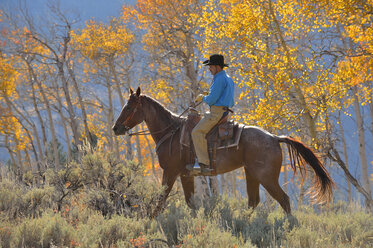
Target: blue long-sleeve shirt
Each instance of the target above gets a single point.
(221, 91)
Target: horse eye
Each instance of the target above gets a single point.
(130, 109)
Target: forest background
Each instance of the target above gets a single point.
(302, 69)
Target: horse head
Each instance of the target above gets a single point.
(131, 114)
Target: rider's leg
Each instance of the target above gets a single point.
(201, 129)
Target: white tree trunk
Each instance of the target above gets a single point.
(349, 196)
(64, 121)
(361, 134)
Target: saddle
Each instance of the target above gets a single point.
(225, 134)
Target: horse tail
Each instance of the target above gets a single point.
(321, 191)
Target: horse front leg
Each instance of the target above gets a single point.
(168, 181)
(188, 187)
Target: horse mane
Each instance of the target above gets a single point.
(166, 113)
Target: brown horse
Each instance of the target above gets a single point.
(259, 152)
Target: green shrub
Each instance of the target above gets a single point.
(261, 227)
(11, 198)
(48, 230)
(206, 232)
(341, 228)
(37, 200)
(118, 230)
(170, 219)
(203, 228)
(6, 230)
(115, 187)
(104, 202)
(107, 185)
(66, 182)
(17, 200)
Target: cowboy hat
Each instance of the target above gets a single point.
(215, 59)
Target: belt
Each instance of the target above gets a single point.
(228, 109)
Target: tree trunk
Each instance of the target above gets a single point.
(42, 127)
(67, 137)
(64, 121)
(113, 145)
(10, 151)
(301, 102)
(152, 157)
(10, 106)
(38, 164)
(336, 158)
(60, 60)
(53, 132)
(72, 116)
(28, 160)
(81, 104)
(49, 111)
(371, 114)
(361, 134)
(138, 145)
(233, 180)
(202, 191)
(349, 196)
(192, 76)
(43, 157)
(19, 170)
(224, 184)
(214, 186)
(129, 152)
(285, 174)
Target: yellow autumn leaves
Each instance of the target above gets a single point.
(98, 40)
(282, 57)
(294, 61)
(9, 124)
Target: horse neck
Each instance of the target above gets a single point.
(159, 120)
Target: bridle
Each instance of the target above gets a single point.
(142, 132)
(147, 132)
(127, 128)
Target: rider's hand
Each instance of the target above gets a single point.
(199, 98)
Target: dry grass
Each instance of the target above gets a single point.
(101, 202)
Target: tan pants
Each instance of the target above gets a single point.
(199, 132)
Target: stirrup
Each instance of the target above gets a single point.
(197, 166)
(197, 169)
(203, 168)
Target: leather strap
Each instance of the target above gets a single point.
(165, 137)
(138, 103)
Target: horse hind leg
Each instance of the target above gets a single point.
(269, 175)
(278, 194)
(252, 187)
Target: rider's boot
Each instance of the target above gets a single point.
(201, 167)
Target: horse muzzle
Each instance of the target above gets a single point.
(120, 129)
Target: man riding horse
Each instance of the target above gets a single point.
(258, 151)
(220, 98)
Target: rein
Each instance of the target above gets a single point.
(147, 132)
(167, 135)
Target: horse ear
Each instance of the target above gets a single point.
(138, 91)
(131, 91)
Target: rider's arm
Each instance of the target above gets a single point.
(216, 91)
